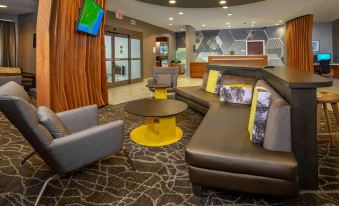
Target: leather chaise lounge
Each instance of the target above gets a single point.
(220, 154)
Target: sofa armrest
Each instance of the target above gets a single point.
(82, 118)
(85, 147)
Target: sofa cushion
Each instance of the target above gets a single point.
(222, 143)
(52, 122)
(213, 81)
(197, 95)
(258, 115)
(278, 127)
(236, 93)
(14, 89)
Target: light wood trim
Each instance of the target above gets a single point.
(43, 53)
(242, 60)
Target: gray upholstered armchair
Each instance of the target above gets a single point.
(164, 75)
(88, 141)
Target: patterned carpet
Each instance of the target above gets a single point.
(161, 177)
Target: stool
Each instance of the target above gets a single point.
(324, 98)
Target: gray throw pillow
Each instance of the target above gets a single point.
(52, 122)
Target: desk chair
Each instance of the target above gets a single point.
(324, 67)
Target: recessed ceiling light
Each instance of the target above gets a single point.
(280, 21)
(252, 25)
(3, 6)
(182, 29)
(181, 13)
(229, 26)
(222, 2)
(170, 24)
(277, 24)
(253, 22)
(203, 25)
(229, 14)
(172, 2)
(171, 18)
(228, 23)
(225, 7)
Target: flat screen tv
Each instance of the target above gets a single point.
(325, 56)
(90, 18)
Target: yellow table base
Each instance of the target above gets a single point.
(157, 134)
(160, 93)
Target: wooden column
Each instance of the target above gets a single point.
(43, 53)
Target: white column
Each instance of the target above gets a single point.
(190, 42)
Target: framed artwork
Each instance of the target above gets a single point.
(315, 46)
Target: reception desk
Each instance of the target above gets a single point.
(197, 69)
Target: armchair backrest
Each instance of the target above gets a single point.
(15, 105)
(157, 72)
(324, 66)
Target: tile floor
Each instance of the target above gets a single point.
(135, 91)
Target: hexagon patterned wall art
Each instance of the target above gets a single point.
(221, 42)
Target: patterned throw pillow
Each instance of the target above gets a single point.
(258, 116)
(213, 82)
(236, 93)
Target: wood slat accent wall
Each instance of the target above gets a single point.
(243, 60)
(299, 43)
(71, 66)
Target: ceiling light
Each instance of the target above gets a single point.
(170, 24)
(181, 13)
(203, 25)
(253, 22)
(222, 2)
(277, 24)
(171, 18)
(182, 29)
(229, 14)
(228, 23)
(229, 26)
(3, 6)
(225, 7)
(280, 21)
(252, 25)
(172, 2)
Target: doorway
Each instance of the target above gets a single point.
(123, 59)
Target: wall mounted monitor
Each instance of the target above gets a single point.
(324, 56)
(90, 18)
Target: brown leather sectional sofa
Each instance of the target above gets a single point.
(220, 154)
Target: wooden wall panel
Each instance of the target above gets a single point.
(197, 69)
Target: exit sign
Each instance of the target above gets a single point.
(119, 15)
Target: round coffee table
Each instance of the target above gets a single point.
(156, 134)
(160, 90)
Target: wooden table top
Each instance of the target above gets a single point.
(155, 108)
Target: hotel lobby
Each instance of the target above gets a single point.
(169, 102)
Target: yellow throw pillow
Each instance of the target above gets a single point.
(213, 77)
(259, 114)
(236, 93)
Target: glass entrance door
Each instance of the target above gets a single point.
(123, 59)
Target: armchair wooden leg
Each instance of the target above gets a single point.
(129, 160)
(197, 189)
(27, 157)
